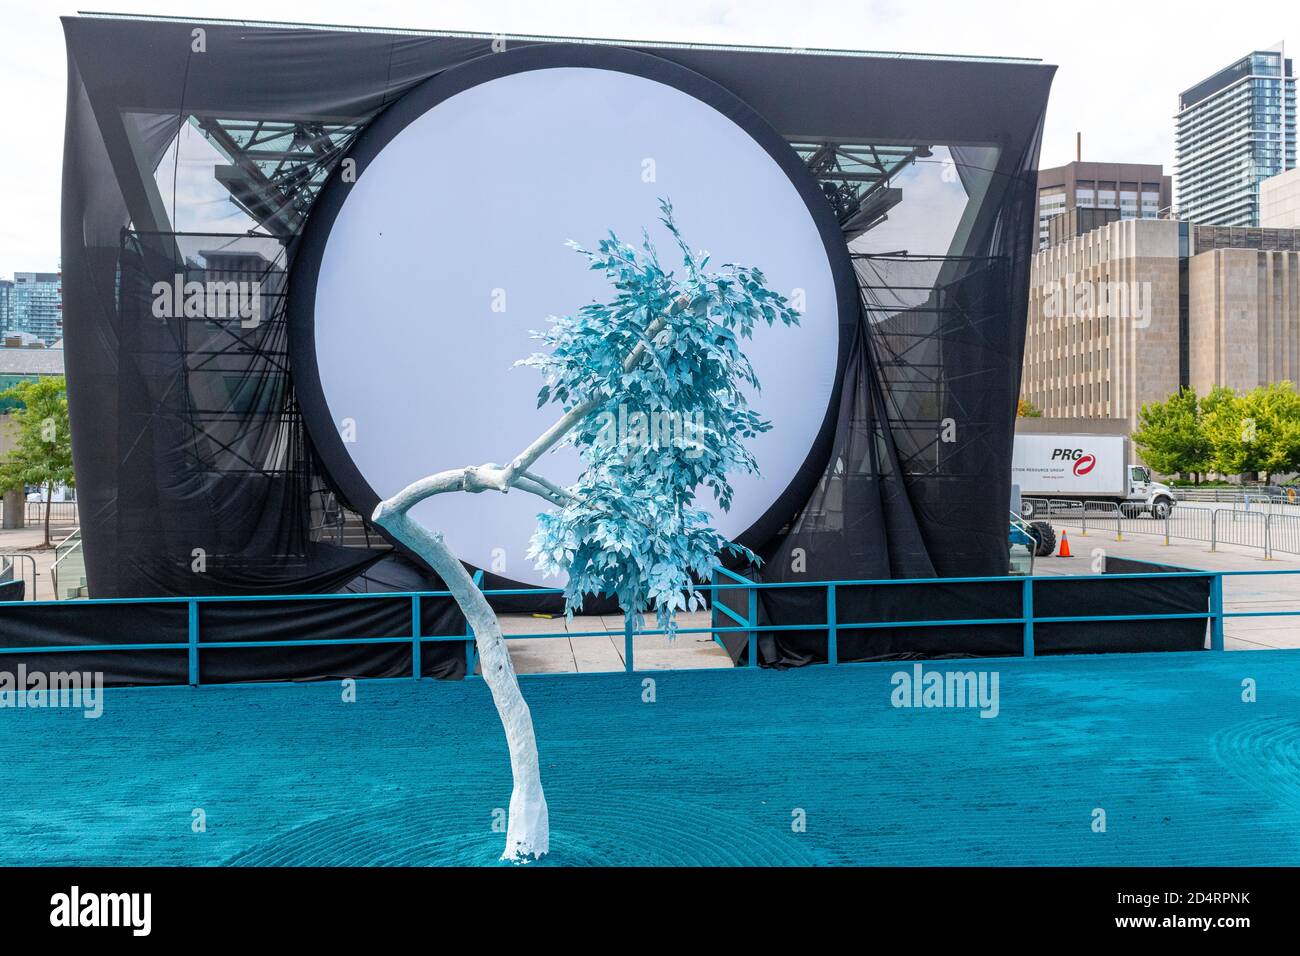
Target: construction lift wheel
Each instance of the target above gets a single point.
(1044, 538)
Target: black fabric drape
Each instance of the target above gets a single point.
(971, 602)
(918, 484)
(74, 625)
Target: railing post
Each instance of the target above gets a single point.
(832, 628)
(629, 629)
(1027, 612)
(1214, 527)
(194, 643)
(1216, 613)
(1268, 537)
(1168, 514)
(471, 648)
(416, 669)
(752, 621)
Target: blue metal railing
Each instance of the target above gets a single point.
(747, 624)
(1215, 614)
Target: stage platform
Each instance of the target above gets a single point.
(713, 772)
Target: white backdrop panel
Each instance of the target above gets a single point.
(470, 206)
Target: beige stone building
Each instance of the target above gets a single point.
(1103, 330)
(1244, 318)
(1279, 201)
(1129, 312)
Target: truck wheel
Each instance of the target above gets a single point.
(1027, 509)
(1044, 538)
(1160, 509)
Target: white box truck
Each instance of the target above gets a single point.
(1085, 468)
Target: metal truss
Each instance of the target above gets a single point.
(855, 178)
(913, 348)
(277, 167)
(229, 387)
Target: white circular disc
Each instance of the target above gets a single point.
(449, 248)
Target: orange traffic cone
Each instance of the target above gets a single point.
(1065, 546)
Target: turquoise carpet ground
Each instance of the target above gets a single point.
(714, 771)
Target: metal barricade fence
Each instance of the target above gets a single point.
(1088, 514)
(1283, 532)
(1241, 527)
(1267, 525)
(14, 567)
(1269, 503)
(1033, 508)
(61, 512)
(1219, 495)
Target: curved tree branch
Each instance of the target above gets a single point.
(548, 439)
(528, 829)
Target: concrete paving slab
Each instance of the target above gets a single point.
(537, 655)
(596, 654)
(527, 624)
(686, 653)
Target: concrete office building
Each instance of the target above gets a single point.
(1244, 308)
(1132, 190)
(1234, 130)
(1127, 313)
(1103, 321)
(1279, 201)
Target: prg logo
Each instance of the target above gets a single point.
(1084, 462)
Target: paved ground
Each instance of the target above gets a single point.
(598, 654)
(1241, 593)
(715, 770)
(27, 541)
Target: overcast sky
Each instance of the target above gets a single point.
(1122, 62)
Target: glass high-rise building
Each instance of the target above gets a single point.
(36, 305)
(6, 303)
(1233, 130)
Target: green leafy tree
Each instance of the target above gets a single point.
(1027, 409)
(1171, 435)
(42, 454)
(1275, 410)
(1231, 436)
(1255, 433)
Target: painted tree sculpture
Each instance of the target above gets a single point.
(665, 355)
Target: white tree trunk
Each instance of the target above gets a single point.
(528, 830)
